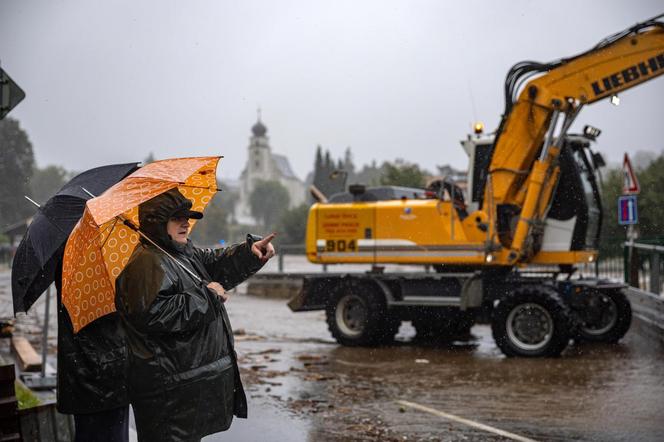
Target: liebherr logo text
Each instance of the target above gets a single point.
(626, 76)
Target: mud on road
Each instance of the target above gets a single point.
(302, 386)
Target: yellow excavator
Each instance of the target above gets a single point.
(532, 198)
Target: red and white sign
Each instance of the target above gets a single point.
(630, 183)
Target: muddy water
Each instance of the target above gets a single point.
(304, 387)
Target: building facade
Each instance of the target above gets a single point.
(263, 164)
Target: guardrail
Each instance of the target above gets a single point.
(291, 249)
(643, 266)
(648, 314)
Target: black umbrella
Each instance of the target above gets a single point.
(35, 261)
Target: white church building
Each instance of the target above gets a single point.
(263, 164)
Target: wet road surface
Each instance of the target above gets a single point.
(302, 386)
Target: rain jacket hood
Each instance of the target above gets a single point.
(153, 215)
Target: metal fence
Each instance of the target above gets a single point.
(610, 268)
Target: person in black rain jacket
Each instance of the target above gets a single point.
(92, 374)
(183, 376)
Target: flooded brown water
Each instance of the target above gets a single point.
(302, 386)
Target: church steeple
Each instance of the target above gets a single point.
(260, 157)
(259, 129)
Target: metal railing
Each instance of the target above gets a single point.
(643, 265)
(288, 249)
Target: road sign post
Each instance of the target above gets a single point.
(627, 210)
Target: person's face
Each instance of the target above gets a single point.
(178, 229)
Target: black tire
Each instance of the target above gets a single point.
(605, 316)
(532, 321)
(443, 324)
(358, 316)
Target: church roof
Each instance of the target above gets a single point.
(259, 129)
(283, 165)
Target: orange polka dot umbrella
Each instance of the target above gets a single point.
(101, 243)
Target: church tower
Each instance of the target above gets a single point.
(258, 166)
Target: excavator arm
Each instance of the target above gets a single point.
(524, 171)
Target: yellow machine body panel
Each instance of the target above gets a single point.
(407, 231)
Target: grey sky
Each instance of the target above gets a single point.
(110, 81)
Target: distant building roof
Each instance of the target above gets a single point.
(283, 166)
(259, 129)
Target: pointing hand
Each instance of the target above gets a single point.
(263, 249)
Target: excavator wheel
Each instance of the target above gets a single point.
(532, 321)
(358, 316)
(605, 316)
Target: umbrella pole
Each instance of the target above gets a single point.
(40, 381)
(45, 330)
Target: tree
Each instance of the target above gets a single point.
(269, 200)
(45, 182)
(650, 207)
(402, 173)
(612, 235)
(348, 164)
(318, 162)
(293, 225)
(214, 225)
(651, 199)
(369, 175)
(17, 163)
(228, 198)
(323, 167)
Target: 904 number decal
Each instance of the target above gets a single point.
(341, 245)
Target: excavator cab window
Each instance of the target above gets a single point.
(577, 194)
(592, 197)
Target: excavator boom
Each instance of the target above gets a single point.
(524, 164)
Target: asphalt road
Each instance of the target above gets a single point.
(302, 386)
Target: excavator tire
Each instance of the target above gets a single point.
(605, 316)
(532, 321)
(358, 316)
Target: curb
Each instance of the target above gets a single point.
(647, 313)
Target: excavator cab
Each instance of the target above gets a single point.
(576, 209)
(574, 220)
